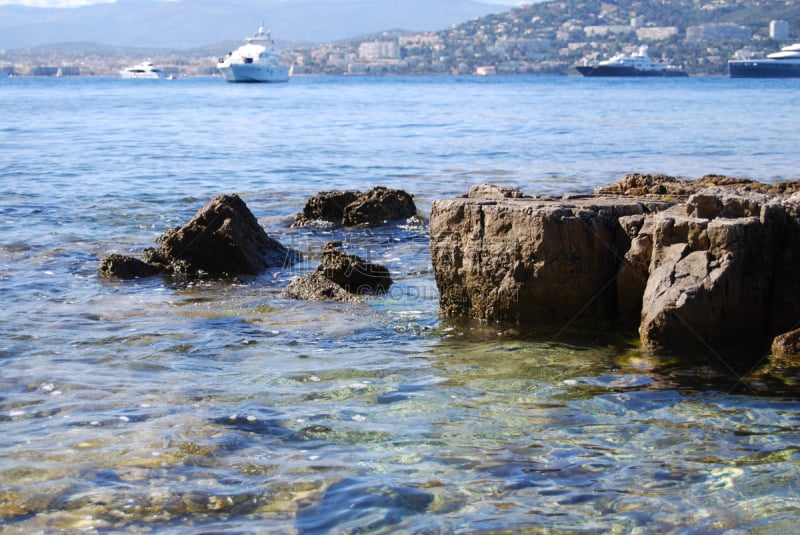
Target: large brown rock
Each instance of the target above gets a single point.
(531, 261)
(223, 238)
(715, 272)
(708, 285)
(725, 282)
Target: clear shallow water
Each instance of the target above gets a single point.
(184, 407)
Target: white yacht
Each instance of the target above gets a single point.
(638, 64)
(783, 64)
(256, 61)
(142, 70)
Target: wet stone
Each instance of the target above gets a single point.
(127, 267)
(224, 238)
(356, 209)
(340, 277)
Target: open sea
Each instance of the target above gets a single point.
(178, 406)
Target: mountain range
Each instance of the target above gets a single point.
(191, 23)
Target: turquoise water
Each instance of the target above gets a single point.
(177, 406)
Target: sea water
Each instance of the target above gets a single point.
(197, 406)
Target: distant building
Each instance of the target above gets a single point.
(602, 31)
(68, 70)
(486, 70)
(379, 50)
(656, 34)
(528, 47)
(718, 32)
(779, 29)
(420, 39)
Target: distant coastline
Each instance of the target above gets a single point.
(546, 38)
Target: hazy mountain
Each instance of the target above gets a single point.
(187, 23)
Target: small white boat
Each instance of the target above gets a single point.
(257, 61)
(142, 70)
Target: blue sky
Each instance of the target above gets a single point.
(78, 3)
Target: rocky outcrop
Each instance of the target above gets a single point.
(222, 239)
(354, 209)
(638, 185)
(712, 272)
(340, 277)
(532, 261)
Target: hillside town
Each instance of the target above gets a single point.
(543, 38)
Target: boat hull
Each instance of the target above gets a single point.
(609, 70)
(764, 69)
(142, 76)
(254, 73)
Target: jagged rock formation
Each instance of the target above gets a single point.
(340, 277)
(714, 272)
(356, 209)
(222, 239)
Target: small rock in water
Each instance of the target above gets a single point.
(356, 209)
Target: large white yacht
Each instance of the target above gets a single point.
(142, 70)
(783, 64)
(638, 64)
(256, 61)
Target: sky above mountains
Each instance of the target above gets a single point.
(194, 23)
(80, 3)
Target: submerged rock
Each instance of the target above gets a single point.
(223, 238)
(340, 277)
(374, 506)
(354, 208)
(714, 272)
(316, 286)
(128, 267)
